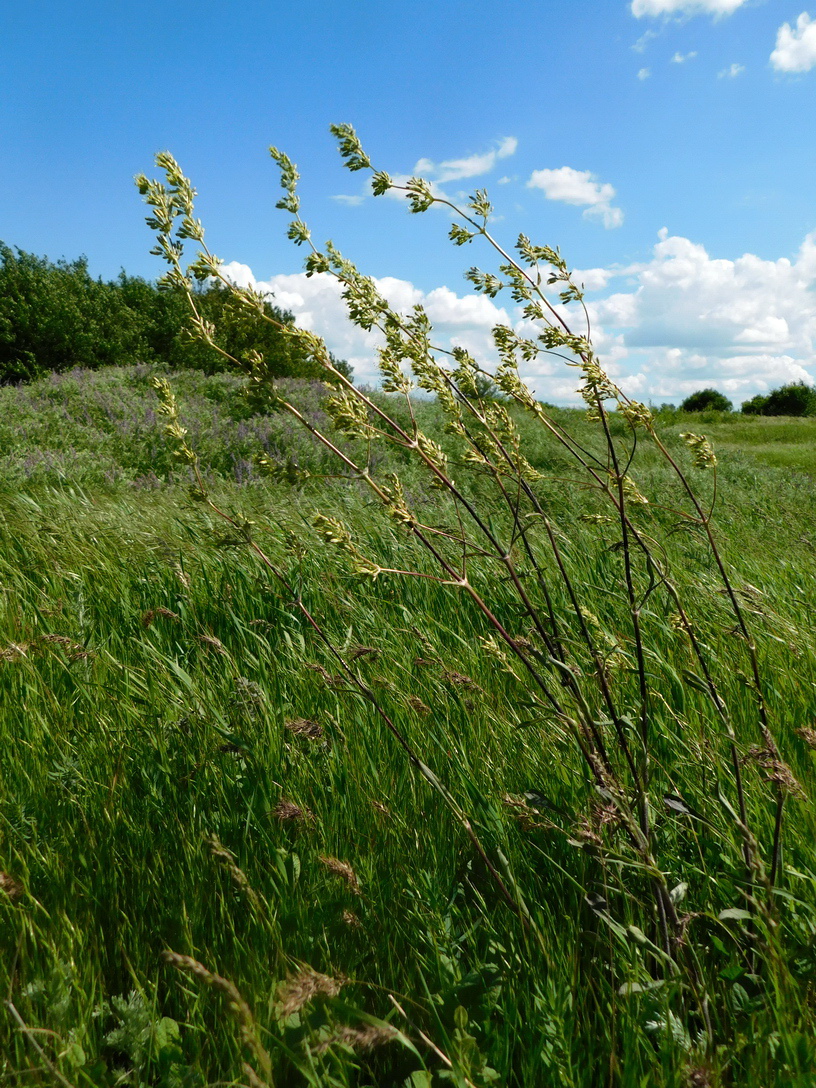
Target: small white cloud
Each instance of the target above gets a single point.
(681, 58)
(644, 73)
(795, 46)
(506, 180)
(593, 279)
(644, 39)
(470, 167)
(579, 187)
(731, 72)
(655, 8)
(351, 201)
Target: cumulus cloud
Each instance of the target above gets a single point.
(465, 320)
(579, 187)
(718, 8)
(690, 319)
(680, 321)
(731, 72)
(795, 46)
(681, 58)
(643, 73)
(470, 167)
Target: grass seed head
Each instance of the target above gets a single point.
(362, 1039)
(289, 812)
(344, 871)
(10, 886)
(156, 613)
(298, 990)
(305, 727)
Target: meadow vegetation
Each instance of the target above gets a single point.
(295, 798)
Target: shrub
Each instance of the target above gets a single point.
(706, 400)
(795, 399)
(56, 316)
(755, 406)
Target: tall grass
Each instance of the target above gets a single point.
(470, 743)
(156, 692)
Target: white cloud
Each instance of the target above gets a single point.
(644, 39)
(579, 187)
(691, 320)
(681, 58)
(440, 173)
(644, 73)
(317, 305)
(731, 72)
(470, 167)
(795, 46)
(678, 322)
(593, 279)
(685, 7)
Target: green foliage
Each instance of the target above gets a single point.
(55, 316)
(706, 400)
(755, 406)
(794, 399)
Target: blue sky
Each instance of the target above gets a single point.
(665, 145)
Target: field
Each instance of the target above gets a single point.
(184, 770)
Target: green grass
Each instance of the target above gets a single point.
(132, 736)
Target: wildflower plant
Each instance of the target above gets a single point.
(493, 530)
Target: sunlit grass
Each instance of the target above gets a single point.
(152, 679)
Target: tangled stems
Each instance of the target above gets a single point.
(488, 444)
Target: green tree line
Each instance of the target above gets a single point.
(55, 316)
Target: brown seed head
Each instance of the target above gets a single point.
(298, 990)
(362, 1039)
(287, 810)
(304, 727)
(12, 888)
(344, 871)
(155, 613)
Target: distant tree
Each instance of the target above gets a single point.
(705, 400)
(54, 316)
(755, 406)
(795, 399)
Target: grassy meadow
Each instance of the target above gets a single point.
(184, 769)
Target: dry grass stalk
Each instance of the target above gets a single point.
(331, 681)
(237, 1005)
(305, 727)
(298, 990)
(775, 770)
(15, 651)
(351, 919)
(11, 886)
(344, 871)
(808, 735)
(362, 1039)
(458, 679)
(227, 859)
(364, 651)
(75, 650)
(286, 811)
(214, 643)
(156, 613)
(529, 819)
(417, 704)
